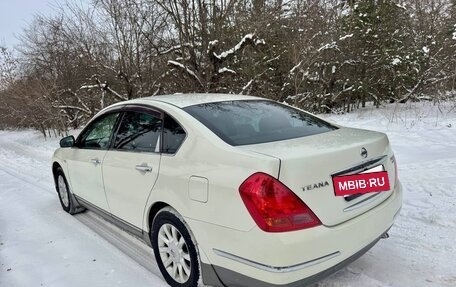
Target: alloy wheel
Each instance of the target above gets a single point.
(174, 253)
(63, 192)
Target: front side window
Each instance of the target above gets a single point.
(173, 135)
(98, 134)
(256, 121)
(138, 132)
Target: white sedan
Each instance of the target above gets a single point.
(233, 190)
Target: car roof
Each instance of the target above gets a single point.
(185, 100)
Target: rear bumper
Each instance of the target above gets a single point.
(301, 258)
(231, 278)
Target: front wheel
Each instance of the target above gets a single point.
(63, 190)
(66, 199)
(174, 249)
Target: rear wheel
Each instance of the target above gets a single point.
(174, 249)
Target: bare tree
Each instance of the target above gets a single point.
(321, 55)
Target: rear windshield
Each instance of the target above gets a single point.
(256, 121)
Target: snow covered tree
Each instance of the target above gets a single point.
(208, 47)
(376, 51)
(333, 55)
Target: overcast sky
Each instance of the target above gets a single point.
(15, 14)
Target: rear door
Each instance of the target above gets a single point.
(131, 166)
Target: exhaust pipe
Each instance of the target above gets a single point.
(385, 235)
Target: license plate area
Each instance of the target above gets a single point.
(353, 185)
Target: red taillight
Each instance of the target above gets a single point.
(273, 206)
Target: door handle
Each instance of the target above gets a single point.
(144, 168)
(95, 161)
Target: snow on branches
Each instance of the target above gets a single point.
(249, 39)
(218, 60)
(186, 69)
(215, 62)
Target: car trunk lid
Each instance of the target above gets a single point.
(309, 163)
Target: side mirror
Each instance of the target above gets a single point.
(67, 141)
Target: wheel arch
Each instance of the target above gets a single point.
(55, 167)
(160, 205)
(153, 210)
(76, 207)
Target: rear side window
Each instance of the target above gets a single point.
(138, 132)
(173, 135)
(253, 122)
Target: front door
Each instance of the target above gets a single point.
(85, 161)
(131, 167)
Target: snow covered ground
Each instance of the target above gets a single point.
(40, 245)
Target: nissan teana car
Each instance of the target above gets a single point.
(233, 190)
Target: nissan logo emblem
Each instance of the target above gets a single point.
(363, 152)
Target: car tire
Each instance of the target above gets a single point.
(63, 190)
(174, 249)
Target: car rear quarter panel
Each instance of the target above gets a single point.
(225, 167)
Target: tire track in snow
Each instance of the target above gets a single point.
(125, 242)
(14, 173)
(45, 246)
(128, 244)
